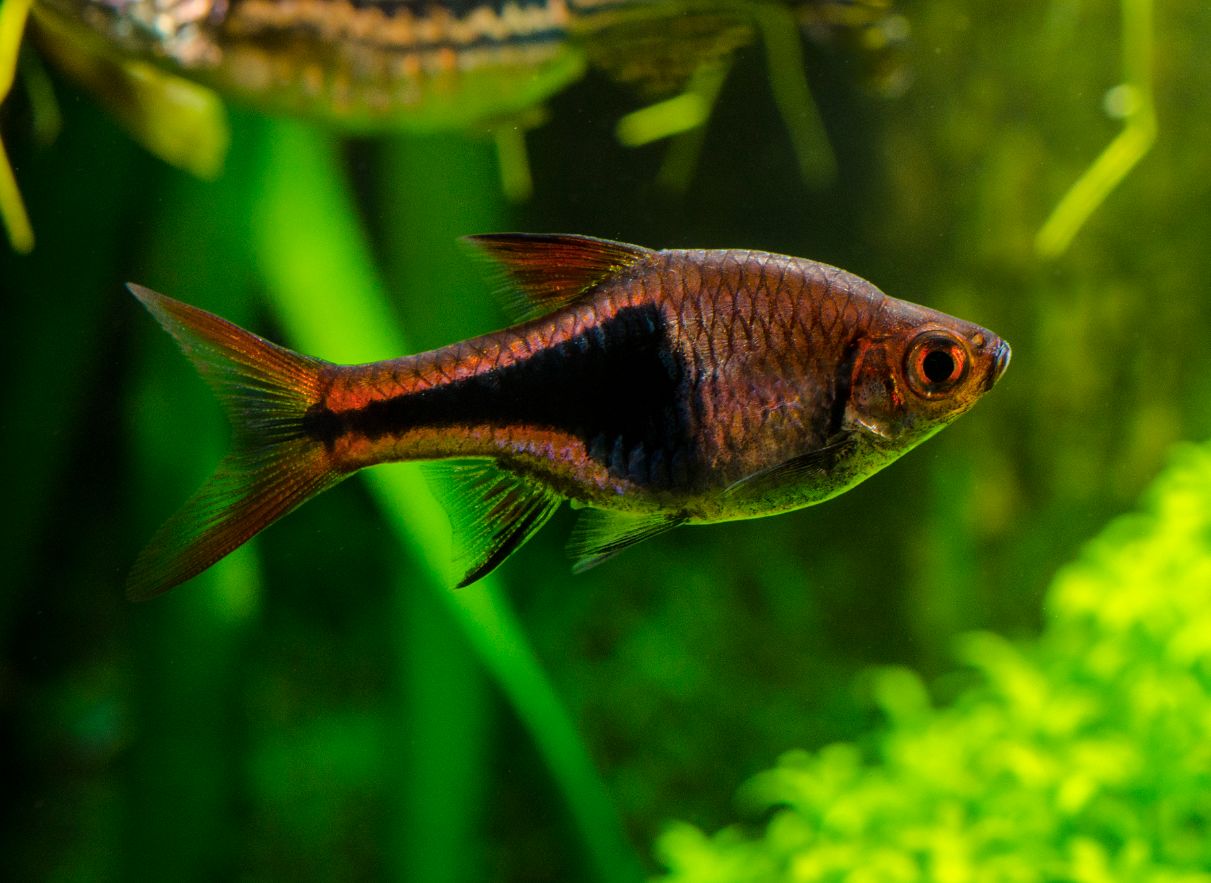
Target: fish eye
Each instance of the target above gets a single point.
(936, 363)
(938, 366)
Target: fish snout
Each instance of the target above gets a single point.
(1000, 361)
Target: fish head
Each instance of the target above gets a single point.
(916, 370)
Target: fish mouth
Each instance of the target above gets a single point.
(1000, 363)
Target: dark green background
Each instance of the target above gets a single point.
(315, 708)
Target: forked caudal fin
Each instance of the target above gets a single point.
(272, 468)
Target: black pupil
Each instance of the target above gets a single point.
(938, 366)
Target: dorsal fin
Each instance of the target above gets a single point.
(551, 269)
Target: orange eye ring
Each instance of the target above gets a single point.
(937, 362)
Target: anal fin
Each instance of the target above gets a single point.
(492, 512)
(600, 534)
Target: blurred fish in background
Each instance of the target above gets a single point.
(483, 67)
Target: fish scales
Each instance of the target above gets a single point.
(744, 377)
(658, 387)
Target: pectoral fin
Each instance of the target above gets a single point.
(492, 512)
(796, 471)
(601, 534)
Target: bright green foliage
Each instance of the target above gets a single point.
(1083, 756)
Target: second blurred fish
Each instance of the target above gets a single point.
(432, 65)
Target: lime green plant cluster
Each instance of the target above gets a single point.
(1082, 756)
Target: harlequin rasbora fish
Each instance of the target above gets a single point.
(656, 388)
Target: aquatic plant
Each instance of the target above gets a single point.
(12, 210)
(1080, 756)
(1132, 100)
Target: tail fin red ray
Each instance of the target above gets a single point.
(273, 466)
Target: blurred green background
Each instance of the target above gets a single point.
(321, 707)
